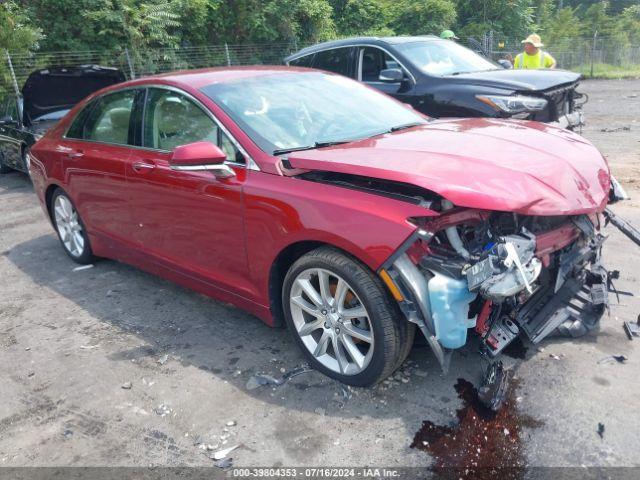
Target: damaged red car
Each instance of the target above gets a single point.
(312, 200)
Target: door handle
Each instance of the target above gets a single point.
(143, 166)
(74, 155)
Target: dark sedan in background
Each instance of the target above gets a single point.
(46, 97)
(441, 78)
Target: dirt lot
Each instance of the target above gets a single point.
(69, 340)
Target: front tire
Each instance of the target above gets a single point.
(70, 229)
(342, 318)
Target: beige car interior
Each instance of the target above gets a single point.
(177, 121)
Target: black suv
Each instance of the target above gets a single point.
(444, 79)
(46, 97)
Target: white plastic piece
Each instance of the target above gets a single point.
(453, 236)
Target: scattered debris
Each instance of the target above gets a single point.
(616, 129)
(83, 267)
(224, 463)
(162, 410)
(320, 411)
(27, 349)
(554, 356)
(632, 329)
(346, 393)
(163, 359)
(127, 385)
(601, 430)
(611, 358)
(259, 380)
(231, 423)
(31, 374)
(88, 347)
(224, 453)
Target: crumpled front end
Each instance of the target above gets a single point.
(505, 275)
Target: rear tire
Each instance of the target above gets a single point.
(349, 329)
(70, 228)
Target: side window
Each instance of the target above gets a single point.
(305, 61)
(76, 130)
(374, 61)
(337, 60)
(172, 120)
(110, 120)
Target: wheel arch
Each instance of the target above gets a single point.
(48, 196)
(287, 257)
(279, 269)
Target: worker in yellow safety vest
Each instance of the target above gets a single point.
(533, 57)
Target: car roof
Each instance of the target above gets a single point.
(346, 42)
(200, 78)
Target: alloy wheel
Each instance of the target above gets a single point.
(68, 226)
(332, 321)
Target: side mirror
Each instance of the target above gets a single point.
(391, 75)
(506, 64)
(200, 156)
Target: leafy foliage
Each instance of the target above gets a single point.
(110, 25)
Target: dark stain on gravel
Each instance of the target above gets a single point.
(482, 444)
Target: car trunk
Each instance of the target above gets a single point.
(60, 88)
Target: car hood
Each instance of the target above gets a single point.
(505, 165)
(60, 88)
(520, 80)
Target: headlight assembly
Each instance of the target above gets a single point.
(513, 104)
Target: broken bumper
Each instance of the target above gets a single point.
(520, 284)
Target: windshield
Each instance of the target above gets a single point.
(294, 111)
(444, 57)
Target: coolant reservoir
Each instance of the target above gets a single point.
(450, 299)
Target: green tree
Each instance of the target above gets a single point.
(138, 24)
(595, 18)
(362, 17)
(65, 25)
(629, 22)
(562, 28)
(511, 18)
(420, 17)
(241, 21)
(17, 35)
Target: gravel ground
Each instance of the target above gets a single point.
(72, 341)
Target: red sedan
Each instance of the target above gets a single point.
(310, 199)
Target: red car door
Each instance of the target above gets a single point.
(95, 153)
(191, 222)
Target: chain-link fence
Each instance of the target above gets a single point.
(576, 53)
(138, 63)
(572, 53)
